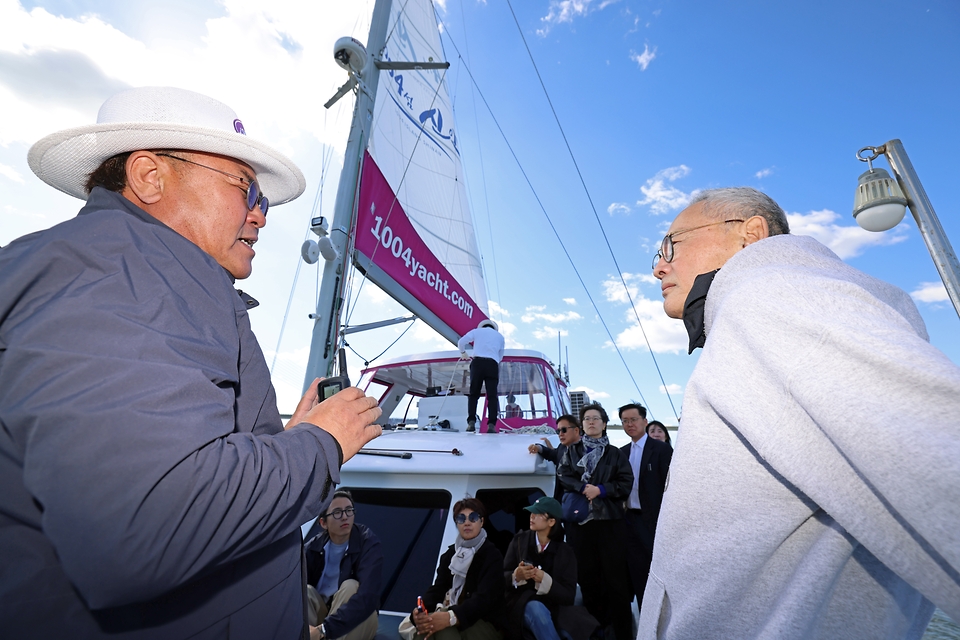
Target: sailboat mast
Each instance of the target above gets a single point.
(326, 323)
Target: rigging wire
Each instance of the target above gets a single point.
(483, 173)
(366, 362)
(550, 222)
(563, 134)
(317, 201)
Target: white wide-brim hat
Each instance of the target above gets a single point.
(488, 323)
(160, 118)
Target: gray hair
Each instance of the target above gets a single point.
(746, 202)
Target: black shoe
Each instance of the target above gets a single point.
(492, 427)
(471, 426)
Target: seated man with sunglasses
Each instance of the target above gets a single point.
(344, 564)
(150, 487)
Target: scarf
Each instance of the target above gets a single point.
(693, 309)
(463, 552)
(593, 451)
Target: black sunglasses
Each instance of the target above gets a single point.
(565, 429)
(462, 517)
(254, 195)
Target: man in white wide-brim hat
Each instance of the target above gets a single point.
(149, 487)
(484, 371)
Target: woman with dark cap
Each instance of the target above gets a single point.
(601, 473)
(540, 571)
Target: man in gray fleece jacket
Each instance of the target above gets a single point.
(795, 508)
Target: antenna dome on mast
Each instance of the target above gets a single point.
(350, 54)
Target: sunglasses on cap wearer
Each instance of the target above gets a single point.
(666, 245)
(254, 195)
(462, 517)
(340, 514)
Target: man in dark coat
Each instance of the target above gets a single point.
(344, 598)
(568, 429)
(149, 487)
(650, 462)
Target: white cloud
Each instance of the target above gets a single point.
(496, 310)
(563, 11)
(537, 314)
(666, 334)
(571, 301)
(930, 292)
(644, 59)
(56, 71)
(425, 335)
(549, 333)
(507, 330)
(614, 291)
(763, 173)
(591, 393)
(661, 197)
(618, 207)
(11, 173)
(672, 389)
(846, 242)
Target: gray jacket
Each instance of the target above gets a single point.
(149, 490)
(796, 507)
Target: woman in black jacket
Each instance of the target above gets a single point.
(468, 590)
(602, 473)
(540, 571)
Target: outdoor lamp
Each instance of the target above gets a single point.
(879, 203)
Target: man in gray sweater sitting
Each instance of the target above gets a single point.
(794, 507)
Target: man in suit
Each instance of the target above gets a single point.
(650, 461)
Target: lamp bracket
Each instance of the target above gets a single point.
(876, 153)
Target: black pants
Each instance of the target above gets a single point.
(604, 583)
(640, 534)
(484, 372)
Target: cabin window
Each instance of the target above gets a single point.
(410, 526)
(505, 512)
(557, 406)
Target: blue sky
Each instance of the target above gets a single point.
(656, 99)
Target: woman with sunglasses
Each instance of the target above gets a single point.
(344, 566)
(601, 473)
(467, 595)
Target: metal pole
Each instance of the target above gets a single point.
(326, 323)
(944, 257)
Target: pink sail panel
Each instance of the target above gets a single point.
(386, 237)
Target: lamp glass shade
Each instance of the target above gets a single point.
(881, 217)
(879, 203)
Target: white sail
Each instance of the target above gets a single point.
(414, 147)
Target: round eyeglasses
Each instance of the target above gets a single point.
(340, 514)
(462, 517)
(666, 245)
(254, 195)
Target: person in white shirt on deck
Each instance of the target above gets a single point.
(484, 371)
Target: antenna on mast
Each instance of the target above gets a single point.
(566, 367)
